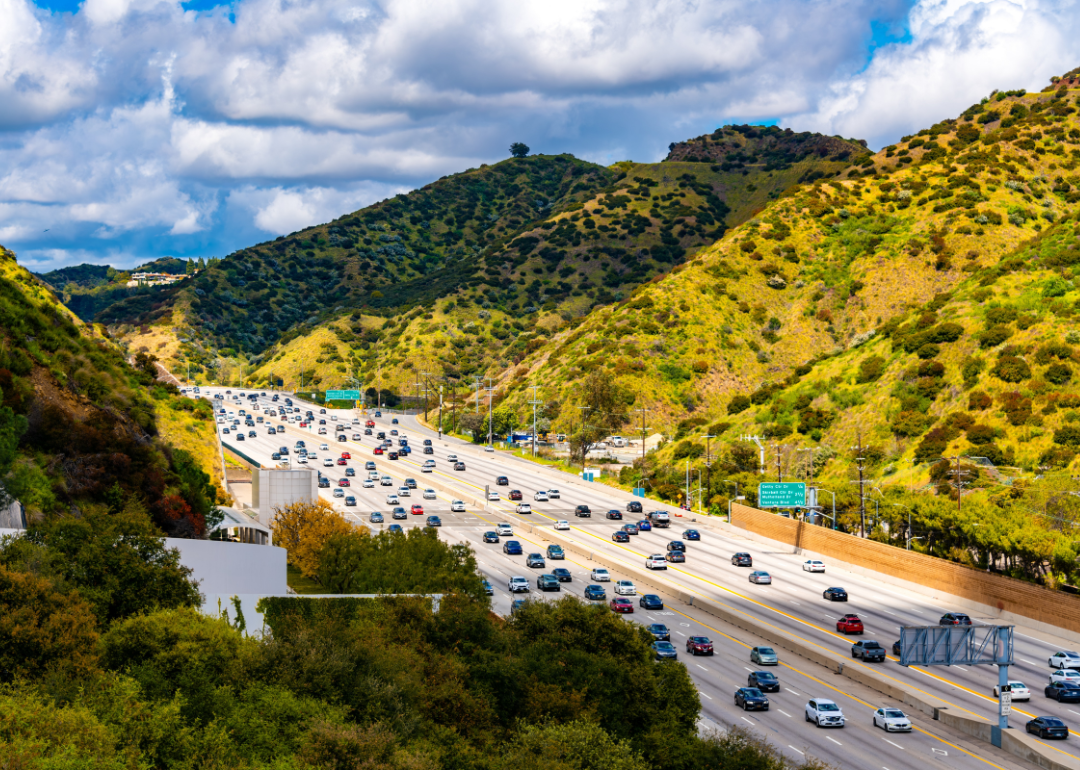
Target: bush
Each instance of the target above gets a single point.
(1068, 435)
(871, 369)
(738, 404)
(979, 401)
(909, 423)
(1011, 369)
(1058, 374)
(971, 369)
(1017, 407)
(994, 336)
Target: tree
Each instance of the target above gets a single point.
(146, 363)
(519, 149)
(304, 528)
(602, 406)
(189, 267)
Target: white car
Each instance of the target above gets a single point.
(541, 496)
(429, 494)
(518, 584)
(327, 462)
(368, 484)
(386, 481)
(824, 713)
(1063, 659)
(324, 447)
(489, 448)
(813, 565)
(1064, 675)
(625, 588)
(553, 494)
(312, 456)
(322, 431)
(373, 475)
(493, 495)
(524, 508)
(562, 524)
(459, 507)
(1019, 690)
(392, 500)
(404, 492)
(503, 530)
(427, 468)
(302, 459)
(600, 575)
(892, 720)
(451, 458)
(656, 561)
(429, 463)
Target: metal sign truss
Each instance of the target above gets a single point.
(956, 645)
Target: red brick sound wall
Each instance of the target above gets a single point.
(1007, 594)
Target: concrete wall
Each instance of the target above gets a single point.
(1006, 595)
(233, 568)
(278, 488)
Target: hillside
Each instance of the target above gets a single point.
(78, 425)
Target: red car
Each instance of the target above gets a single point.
(377, 450)
(699, 645)
(369, 424)
(418, 509)
(619, 536)
(343, 483)
(342, 461)
(621, 604)
(515, 494)
(303, 425)
(849, 624)
(346, 456)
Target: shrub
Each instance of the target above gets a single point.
(979, 401)
(909, 423)
(1068, 435)
(1057, 457)
(971, 369)
(871, 369)
(1011, 369)
(1017, 407)
(1058, 374)
(993, 336)
(929, 350)
(738, 404)
(815, 419)
(981, 434)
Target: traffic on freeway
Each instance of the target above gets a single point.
(686, 556)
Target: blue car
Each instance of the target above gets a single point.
(651, 602)
(512, 548)
(394, 528)
(595, 592)
(691, 534)
(665, 651)
(644, 526)
(488, 588)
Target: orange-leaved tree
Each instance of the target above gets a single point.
(303, 528)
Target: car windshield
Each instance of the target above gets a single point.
(765, 651)
(752, 691)
(664, 646)
(894, 714)
(828, 707)
(765, 675)
(699, 639)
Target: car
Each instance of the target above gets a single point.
(766, 681)
(594, 592)
(275, 456)
(813, 565)
(342, 461)
(339, 492)
(1048, 727)
(377, 450)
(251, 434)
(488, 588)
(676, 557)
(518, 604)
(399, 513)
(491, 537)
(562, 524)
(324, 483)
(824, 713)
(392, 455)
(659, 631)
(555, 552)
(535, 560)
(614, 515)
(386, 481)
(835, 594)
(504, 529)
(1063, 692)
(868, 650)
(404, 492)
(761, 577)
(502, 481)
(691, 534)
(563, 575)
(630, 529)
(1019, 690)
(432, 521)
(892, 720)
(625, 588)
(850, 624)
(375, 517)
(239, 436)
(1066, 675)
(392, 499)
(954, 619)
(699, 645)
(644, 526)
(751, 699)
(327, 462)
(1064, 659)
(742, 560)
(427, 469)
(350, 500)
(656, 561)
(651, 602)
(350, 472)
(273, 431)
(410, 483)
(515, 494)
(523, 508)
(764, 656)
(517, 584)
(633, 507)
(582, 511)
(459, 466)
(417, 509)
(621, 605)
(394, 432)
(457, 506)
(600, 575)
(451, 458)
(548, 583)
(553, 494)
(664, 651)
(618, 536)
(493, 495)
(540, 497)
(343, 482)
(346, 455)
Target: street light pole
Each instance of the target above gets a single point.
(584, 424)
(440, 409)
(708, 463)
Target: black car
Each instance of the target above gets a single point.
(676, 545)
(324, 483)
(651, 602)
(459, 466)
(391, 455)
(742, 560)
(595, 592)
(619, 536)
(502, 481)
(676, 557)
(399, 513)
(275, 456)
(367, 431)
(491, 537)
(562, 575)
(1063, 692)
(1048, 727)
(434, 521)
(765, 681)
(583, 511)
(615, 515)
(751, 699)
(428, 450)
(664, 651)
(548, 583)
(350, 472)
(659, 631)
(954, 619)
(350, 500)
(868, 650)
(835, 594)
(896, 648)
(534, 560)
(633, 507)
(427, 442)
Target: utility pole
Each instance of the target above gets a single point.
(708, 464)
(440, 409)
(489, 390)
(859, 460)
(583, 425)
(959, 480)
(779, 476)
(643, 410)
(476, 383)
(427, 389)
(534, 402)
(761, 450)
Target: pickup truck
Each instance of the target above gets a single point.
(868, 651)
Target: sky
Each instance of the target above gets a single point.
(134, 129)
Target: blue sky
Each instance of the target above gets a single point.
(134, 129)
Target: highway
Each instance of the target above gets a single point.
(793, 603)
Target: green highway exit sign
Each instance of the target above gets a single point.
(786, 495)
(342, 395)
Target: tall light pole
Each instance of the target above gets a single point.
(730, 481)
(427, 389)
(859, 459)
(833, 506)
(534, 402)
(643, 410)
(489, 390)
(440, 409)
(708, 463)
(584, 409)
(909, 532)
